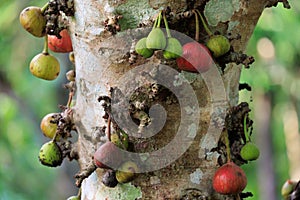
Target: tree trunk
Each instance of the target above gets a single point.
(176, 162)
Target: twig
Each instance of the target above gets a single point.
(84, 174)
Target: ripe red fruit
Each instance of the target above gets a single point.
(108, 156)
(63, 45)
(229, 179)
(195, 57)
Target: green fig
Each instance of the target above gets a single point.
(120, 140)
(127, 172)
(47, 125)
(33, 21)
(218, 44)
(142, 50)
(45, 66)
(50, 154)
(249, 152)
(73, 198)
(173, 49)
(156, 39)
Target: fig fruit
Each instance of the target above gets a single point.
(142, 49)
(73, 198)
(156, 39)
(121, 141)
(229, 179)
(60, 45)
(72, 57)
(107, 156)
(195, 58)
(126, 172)
(45, 66)
(109, 179)
(33, 21)
(50, 154)
(218, 44)
(287, 188)
(48, 126)
(249, 151)
(173, 49)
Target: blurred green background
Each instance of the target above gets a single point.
(24, 100)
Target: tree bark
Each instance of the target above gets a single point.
(102, 59)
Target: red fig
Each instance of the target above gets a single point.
(195, 57)
(62, 45)
(229, 179)
(108, 156)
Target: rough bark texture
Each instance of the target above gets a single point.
(101, 59)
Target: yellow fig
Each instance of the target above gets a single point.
(33, 21)
(127, 172)
(47, 125)
(288, 187)
(45, 66)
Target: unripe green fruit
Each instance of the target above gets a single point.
(120, 141)
(249, 152)
(219, 45)
(173, 49)
(45, 66)
(287, 188)
(33, 21)
(50, 154)
(47, 126)
(127, 172)
(142, 49)
(156, 39)
(73, 198)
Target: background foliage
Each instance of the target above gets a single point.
(24, 100)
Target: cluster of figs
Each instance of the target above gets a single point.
(44, 65)
(47, 67)
(230, 179)
(192, 56)
(109, 157)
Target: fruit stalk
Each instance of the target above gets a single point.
(227, 146)
(208, 31)
(45, 7)
(45, 50)
(56, 136)
(159, 20)
(108, 129)
(197, 26)
(167, 26)
(246, 131)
